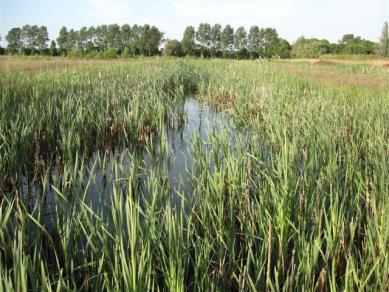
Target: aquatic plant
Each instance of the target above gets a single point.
(284, 188)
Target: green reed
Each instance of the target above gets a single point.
(290, 194)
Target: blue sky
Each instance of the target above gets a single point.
(328, 19)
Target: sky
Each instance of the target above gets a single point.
(329, 19)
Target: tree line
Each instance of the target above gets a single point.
(216, 41)
(210, 41)
(28, 40)
(109, 40)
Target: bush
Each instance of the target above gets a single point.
(310, 48)
(172, 48)
(110, 54)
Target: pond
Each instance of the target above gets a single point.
(167, 158)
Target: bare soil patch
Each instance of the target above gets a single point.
(322, 63)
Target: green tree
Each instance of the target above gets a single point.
(113, 37)
(384, 41)
(82, 39)
(34, 39)
(240, 42)
(28, 42)
(142, 39)
(188, 41)
(350, 44)
(282, 49)
(203, 36)
(14, 39)
(172, 48)
(42, 38)
(101, 38)
(53, 49)
(150, 40)
(254, 41)
(268, 42)
(335, 49)
(136, 37)
(125, 37)
(298, 47)
(91, 39)
(154, 40)
(26, 38)
(310, 48)
(62, 40)
(72, 40)
(227, 40)
(215, 46)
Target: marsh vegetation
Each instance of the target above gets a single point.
(194, 175)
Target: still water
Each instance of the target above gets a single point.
(168, 158)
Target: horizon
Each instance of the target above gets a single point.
(172, 16)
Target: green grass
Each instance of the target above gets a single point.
(298, 202)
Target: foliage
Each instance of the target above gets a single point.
(216, 31)
(227, 40)
(268, 40)
(126, 40)
(203, 36)
(53, 49)
(172, 48)
(282, 49)
(28, 40)
(240, 43)
(188, 41)
(207, 41)
(254, 41)
(14, 39)
(310, 48)
(289, 193)
(349, 44)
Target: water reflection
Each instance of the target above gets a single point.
(167, 158)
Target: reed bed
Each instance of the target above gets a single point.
(290, 194)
